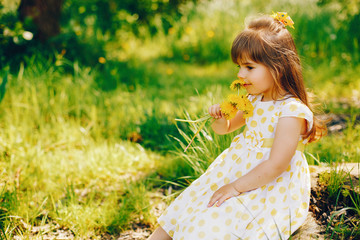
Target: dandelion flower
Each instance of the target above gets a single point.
(248, 113)
(247, 107)
(235, 100)
(228, 109)
(234, 103)
(102, 60)
(237, 84)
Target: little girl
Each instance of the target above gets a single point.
(259, 187)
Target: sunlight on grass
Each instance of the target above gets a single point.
(339, 147)
(337, 87)
(55, 154)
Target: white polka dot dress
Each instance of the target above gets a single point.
(273, 211)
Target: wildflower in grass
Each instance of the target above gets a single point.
(169, 71)
(188, 30)
(102, 60)
(210, 34)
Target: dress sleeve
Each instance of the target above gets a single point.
(296, 108)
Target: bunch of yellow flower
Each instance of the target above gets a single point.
(234, 103)
(229, 107)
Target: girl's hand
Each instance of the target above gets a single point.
(215, 111)
(222, 194)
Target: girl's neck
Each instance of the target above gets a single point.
(268, 98)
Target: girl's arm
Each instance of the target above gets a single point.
(286, 139)
(221, 125)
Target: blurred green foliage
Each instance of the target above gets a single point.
(187, 30)
(110, 16)
(86, 27)
(345, 19)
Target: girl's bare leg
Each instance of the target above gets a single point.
(159, 234)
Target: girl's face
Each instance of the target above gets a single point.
(258, 79)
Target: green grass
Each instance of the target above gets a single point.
(56, 157)
(340, 147)
(342, 192)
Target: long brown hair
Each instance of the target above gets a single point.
(267, 41)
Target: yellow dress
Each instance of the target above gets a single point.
(273, 210)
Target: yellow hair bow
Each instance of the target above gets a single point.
(284, 18)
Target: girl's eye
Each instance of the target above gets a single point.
(249, 67)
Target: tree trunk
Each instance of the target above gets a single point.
(45, 15)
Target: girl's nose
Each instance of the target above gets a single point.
(241, 73)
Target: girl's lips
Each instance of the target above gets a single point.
(247, 84)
